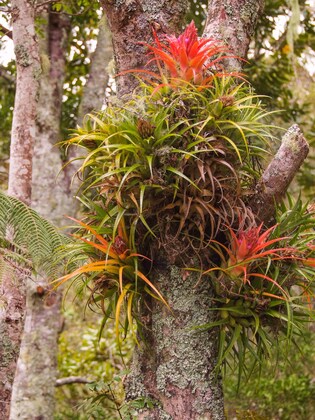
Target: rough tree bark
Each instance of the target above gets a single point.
(12, 293)
(233, 22)
(278, 175)
(132, 21)
(174, 368)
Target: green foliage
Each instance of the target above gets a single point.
(174, 166)
(190, 152)
(285, 392)
(83, 353)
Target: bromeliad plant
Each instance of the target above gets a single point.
(264, 287)
(172, 168)
(112, 272)
(192, 154)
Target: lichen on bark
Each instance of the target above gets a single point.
(176, 364)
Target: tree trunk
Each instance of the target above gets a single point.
(174, 368)
(33, 394)
(51, 195)
(20, 175)
(94, 90)
(36, 373)
(132, 22)
(53, 199)
(234, 23)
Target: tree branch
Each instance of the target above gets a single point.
(45, 3)
(72, 380)
(279, 174)
(7, 32)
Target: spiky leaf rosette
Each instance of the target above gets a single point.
(110, 269)
(184, 59)
(264, 286)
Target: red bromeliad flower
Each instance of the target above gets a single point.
(250, 245)
(186, 58)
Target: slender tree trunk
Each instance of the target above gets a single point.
(94, 90)
(12, 291)
(34, 384)
(36, 373)
(33, 394)
(51, 195)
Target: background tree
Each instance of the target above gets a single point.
(52, 197)
(20, 177)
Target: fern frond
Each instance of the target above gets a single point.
(25, 235)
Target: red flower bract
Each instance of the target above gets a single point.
(250, 245)
(188, 57)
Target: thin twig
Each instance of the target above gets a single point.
(7, 32)
(72, 380)
(44, 3)
(9, 77)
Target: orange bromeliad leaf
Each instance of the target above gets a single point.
(106, 245)
(309, 262)
(108, 265)
(146, 280)
(264, 277)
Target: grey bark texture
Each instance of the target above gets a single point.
(51, 195)
(278, 175)
(174, 369)
(33, 391)
(233, 22)
(27, 84)
(12, 291)
(94, 90)
(132, 21)
(34, 383)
